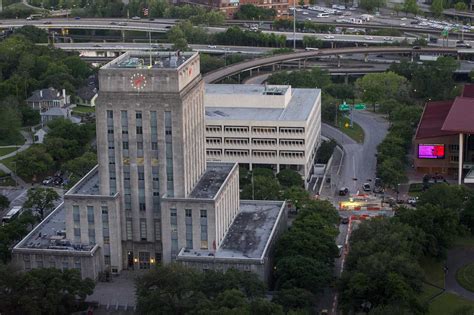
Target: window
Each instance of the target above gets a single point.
(110, 131)
(174, 231)
(158, 230)
(90, 215)
(75, 214)
(189, 228)
(91, 236)
(128, 227)
(142, 206)
(138, 115)
(125, 145)
(77, 234)
(143, 229)
(141, 175)
(169, 153)
(154, 145)
(107, 260)
(204, 237)
(144, 260)
(77, 263)
(139, 130)
(110, 114)
(139, 145)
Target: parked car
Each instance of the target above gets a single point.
(211, 46)
(340, 250)
(412, 201)
(77, 18)
(136, 18)
(329, 37)
(122, 24)
(57, 181)
(47, 181)
(344, 220)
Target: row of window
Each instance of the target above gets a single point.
(189, 229)
(51, 262)
(256, 153)
(245, 129)
(91, 224)
(255, 141)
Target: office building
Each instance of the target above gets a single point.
(263, 126)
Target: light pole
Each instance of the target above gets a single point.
(294, 24)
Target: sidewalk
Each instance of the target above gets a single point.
(26, 145)
(18, 180)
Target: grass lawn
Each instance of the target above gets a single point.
(5, 151)
(447, 303)
(21, 6)
(9, 162)
(355, 132)
(84, 109)
(465, 276)
(433, 271)
(428, 292)
(467, 241)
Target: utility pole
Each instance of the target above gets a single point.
(294, 24)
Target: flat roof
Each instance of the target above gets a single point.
(88, 185)
(211, 181)
(299, 107)
(51, 234)
(249, 89)
(248, 236)
(432, 120)
(141, 60)
(461, 116)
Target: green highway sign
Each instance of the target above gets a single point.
(344, 107)
(360, 106)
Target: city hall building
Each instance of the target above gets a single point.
(153, 198)
(263, 126)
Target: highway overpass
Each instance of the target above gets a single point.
(216, 76)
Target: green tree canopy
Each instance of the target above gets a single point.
(289, 178)
(33, 162)
(41, 200)
(437, 7)
(377, 87)
(252, 12)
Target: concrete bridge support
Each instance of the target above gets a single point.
(366, 57)
(338, 61)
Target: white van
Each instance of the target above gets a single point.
(356, 21)
(323, 15)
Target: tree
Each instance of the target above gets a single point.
(210, 63)
(377, 275)
(325, 151)
(4, 202)
(315, 78)
(371, 5)
(297, 197)
(10, 122)
(43, 291)
(41, 200)
(262, 188)
(341, 91)
(294, 299)
(410, 6)
(177, 38)
(32, 33)
(311, 41)
(289, 178)
(376, 87)
(81, 165)
(13, 232)
(33, 162)
(252, 12)
(78, 68)
(302, 272)
(397, 7)
(437, 7)
(460, 6)
(434, 80)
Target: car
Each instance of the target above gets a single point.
(47, 181)
(344, 220)
(305, 13)
(77, 18)
(122, 24)
(403, 24)
(57, 181)
(340, 249)
(136, 18)
(414, 22)
(29, 18)
(368, 37)
(96, 45)
(416, 47)
(352, 9)
(151, 19)
(113, 23)
(463, 45)
(308, 19)
(412, 201)
(211, 46)
(403, 19)
(343, 191)
(388, 38)
(329, 37)
(366, 187)
(47, 22)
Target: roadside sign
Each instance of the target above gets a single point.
(344, 107)
(359, 106)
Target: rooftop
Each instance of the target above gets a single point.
(45, 95)
(211, 181)
(460, 117)
(143, 60)
(248, 89)
(299, 107)
(249, 235)
(432, 120)
(51, 234)
(88, 185)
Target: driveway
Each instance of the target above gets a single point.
(457, 258)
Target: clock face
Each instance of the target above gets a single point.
(138, 81)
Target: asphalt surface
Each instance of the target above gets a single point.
(456, 259)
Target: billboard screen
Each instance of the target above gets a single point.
(431, 151)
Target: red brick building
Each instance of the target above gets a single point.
(442, 141)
